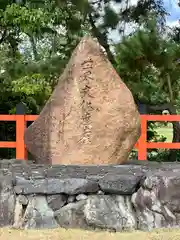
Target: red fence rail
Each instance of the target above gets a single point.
(142, 145)
(21, 123)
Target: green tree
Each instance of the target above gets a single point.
(106, 15)
(148, 62)
(36, 40)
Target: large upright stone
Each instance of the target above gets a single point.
(91, 117)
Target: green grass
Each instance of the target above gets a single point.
(76, 234)
(166, 132)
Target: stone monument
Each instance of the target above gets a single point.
(91, 117)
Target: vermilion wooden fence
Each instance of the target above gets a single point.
(142, 145)
(21, 122)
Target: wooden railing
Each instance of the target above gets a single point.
(21, 123)
(142, 145)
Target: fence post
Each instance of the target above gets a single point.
(142, 143)
(21, 153)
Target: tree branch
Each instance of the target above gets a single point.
(162, 107)
(3, 36)
(102, 39)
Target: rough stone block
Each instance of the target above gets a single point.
(7, 198)
(72, 215)
(110, 212)
(70, 186)
(157, 200)
(38, 214)
(121, 184)
(57, 201)
(91, 117)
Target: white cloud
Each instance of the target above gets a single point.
(173, 23)
(172, 20)
(114, 35)
(133, 2)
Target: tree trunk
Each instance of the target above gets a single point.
(34, 49)
(102, 39)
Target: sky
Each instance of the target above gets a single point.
(172, 7)
(172, 20)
